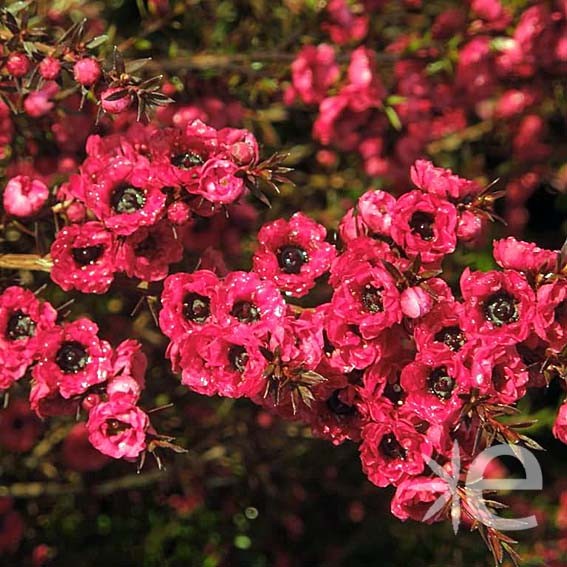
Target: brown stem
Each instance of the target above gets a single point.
(32, 262)
(222, 61)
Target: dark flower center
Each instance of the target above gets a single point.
(390, 448)
(372, 299)
(127, 199)
(291, 258)
(18, 423)
(20, 326)
(186, 160)
(395, 393)
(499, 378)
(147, 247)
(561, 312)
(451, 336)
(238, 358)
(115, 427)
(87, 255)
(328, 347)
(196, 307)
(72, 357)
(422, 224)
(337, 406)
(245, 312)
(355, 377)
(440, 383)
(501, 309)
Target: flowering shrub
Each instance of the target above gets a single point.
(374, 333)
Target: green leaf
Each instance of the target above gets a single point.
(17, 7)
(393, 117)
(97, 41)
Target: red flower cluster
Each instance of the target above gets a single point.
(395, 360)
(142, 189)
(72, 367)
(504, 57)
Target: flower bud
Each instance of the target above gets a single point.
(124, 386)
(49, 68)
(18, 64)
(415, 302)
(118, 105)
(178, 213)
(90, 401)
(469, 227)
(87, 71)
(24, 196)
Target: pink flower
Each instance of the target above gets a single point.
(244, 301)
(125, 195)
(118, 428)
(369, 299)
(345, 347)
(476, 72)
(376, 209)
(299, 341)
(293, 254)
(186, 302)
(433, 383)
(129, 360)
(24, 196)
(313, 71)
(363, 73)
(350, 119)
(498, 372)
(240, 145)
(87, 71)
(218, 182)
(148, 253)
(513, 254)
(551, 314)
(425, 224)
(342, 25)
(371, 216)
(442, 182)
(560, 425)
(415, 496)
(499, 306)
(84, 258)
(334, 415)
(392, 451)
(72, 358)
(415, 302)
(226, 362)
(22, 317)
(441, 329)
(359, 250)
